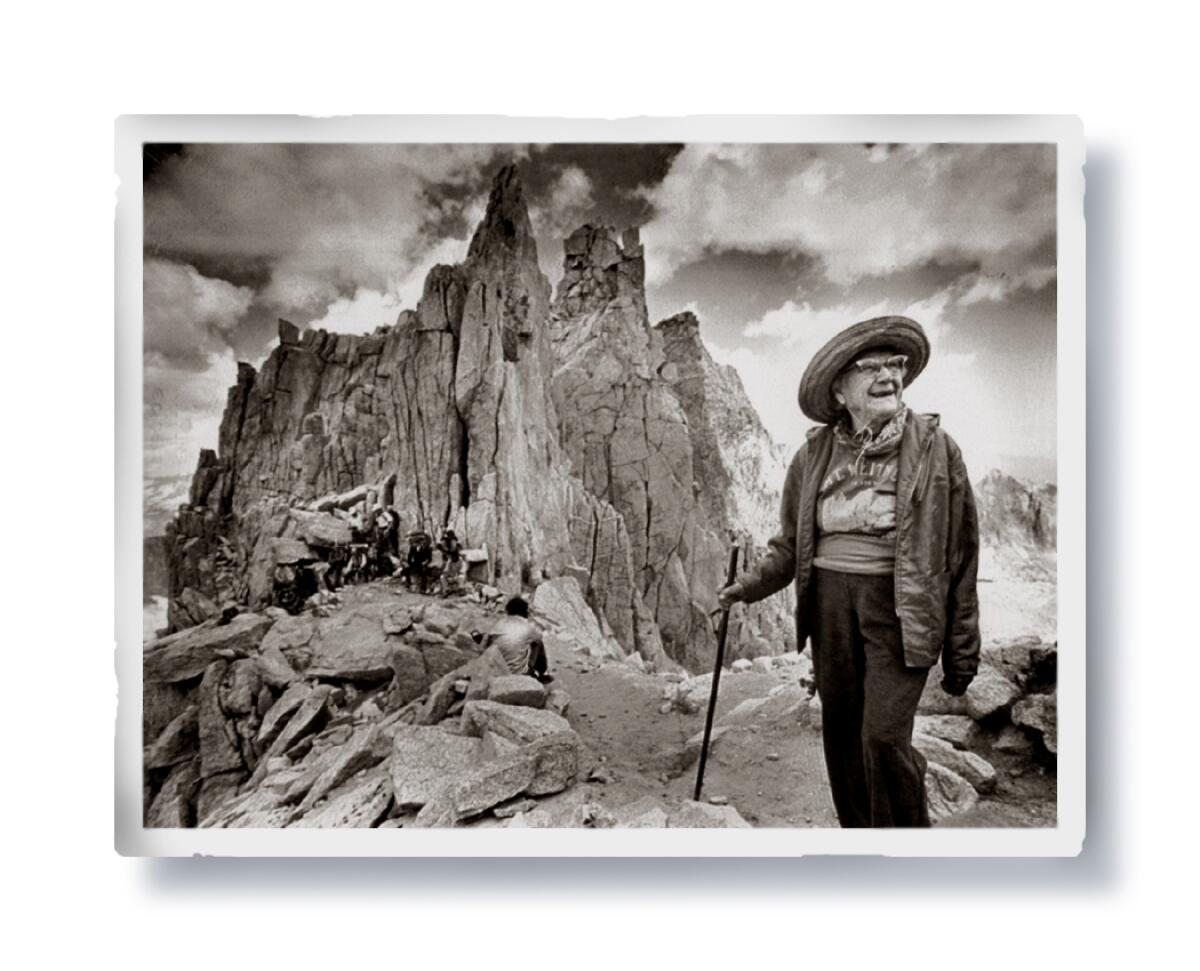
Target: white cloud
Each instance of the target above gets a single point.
(182, 411)
(188, 315)
(862, 212)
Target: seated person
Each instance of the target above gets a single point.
(520, 642)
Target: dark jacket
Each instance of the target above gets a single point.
(937, 545)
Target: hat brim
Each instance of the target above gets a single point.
(816, 386)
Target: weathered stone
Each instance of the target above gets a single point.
(398, 621)
(288, 551)
(279, 713)
(441, 659)
(989, 693)
(360, 805)
(691, 749)
(174, 806)
(215, 790)
(521, 725)
(506, 810)
(557, 760)
(645, 813)
(935, 701)
(558, 700)
(741, 665)
(959, 730)
(361, 752)
(440, 620)
(321, 529)
(410, 677)
(517, 689)
(976, 770)
(478, 790)
(183, 656)
(815, 709)
(1040, 713)
(162, 703)
(219, 749)
(1013, 741)
(425, 759)
(273, 667)
(702, 815)
(559, 605)
(350, 646)
(947, 792)
(178, 742)
(304, 721)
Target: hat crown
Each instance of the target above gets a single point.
(903, 334)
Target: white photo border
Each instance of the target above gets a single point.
(1065, 839)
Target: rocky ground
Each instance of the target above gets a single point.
(380, 708)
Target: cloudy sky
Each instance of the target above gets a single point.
(773, 247)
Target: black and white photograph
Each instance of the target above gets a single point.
(697, 485)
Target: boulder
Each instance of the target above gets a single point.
(558, 700)
(517, 689)
(279, 713)
(174, 806)
(178, 742)
(947, 792)
(976, 770)
(304, 721)
(220, 752)
(645, 813)
(702, 815)
(1040, 713)
(215, 791)
(935, 701)
(362, 751)
(185, 655)
(350, 646)
(440, 620)
(273, 667)
(425, 759)
(959, 730)
(506, 810)
(361, 804)
(478, 790)
(410, 677)
(519, 724)
(286, 551)
(741, 665)
(320, 528)
(989, 693)
(398, 621)
(1012, 741)
(557, 761)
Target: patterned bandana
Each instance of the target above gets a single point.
(867, 444)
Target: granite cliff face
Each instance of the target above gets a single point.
(1018, 527)
(565, 435)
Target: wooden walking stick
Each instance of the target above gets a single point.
(712, 698)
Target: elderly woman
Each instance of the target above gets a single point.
(879, 537)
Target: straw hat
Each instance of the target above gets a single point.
(816, 386)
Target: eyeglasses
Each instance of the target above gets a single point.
(872, 366)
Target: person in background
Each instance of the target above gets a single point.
(520, 641)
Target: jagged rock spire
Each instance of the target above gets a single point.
(506, 233)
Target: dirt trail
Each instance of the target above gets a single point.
(776, 779)
(772, 772)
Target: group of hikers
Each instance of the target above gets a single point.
(373, 553)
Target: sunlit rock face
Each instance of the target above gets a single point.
(562, 432)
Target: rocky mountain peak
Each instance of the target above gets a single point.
(599, 267)
(505, 234)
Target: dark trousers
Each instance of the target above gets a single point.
(868, 701)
